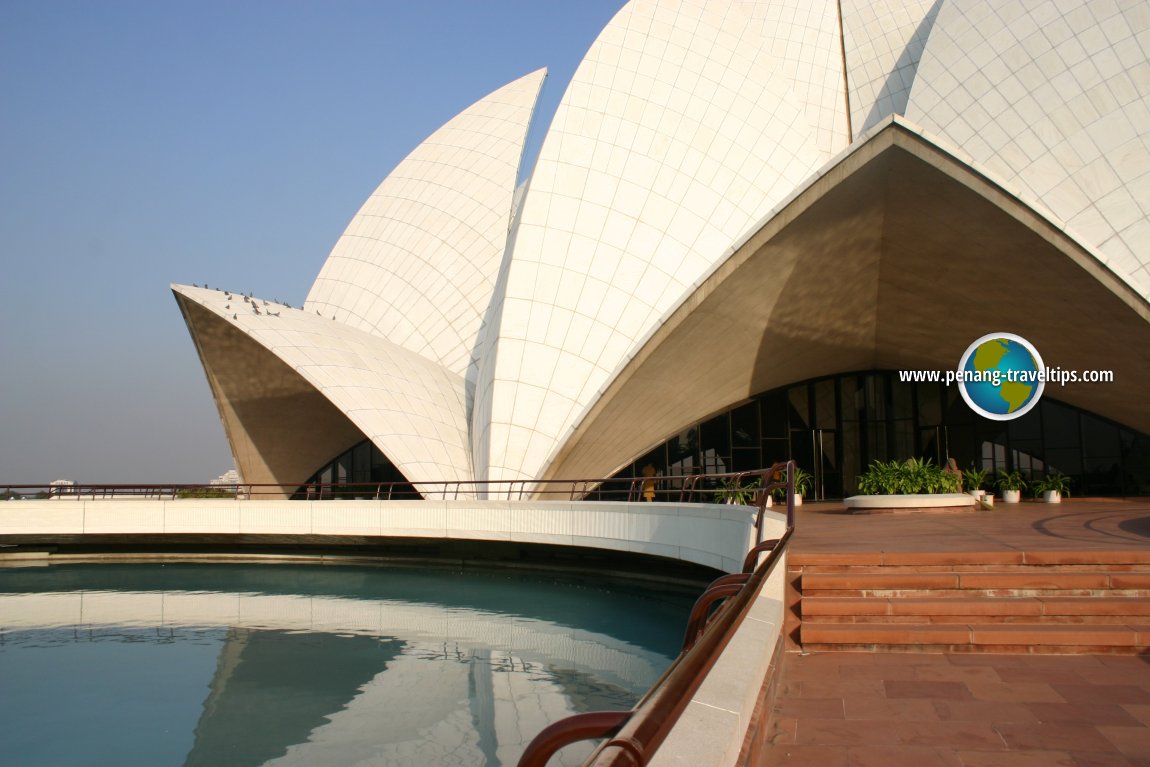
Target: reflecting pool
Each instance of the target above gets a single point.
(224, 665)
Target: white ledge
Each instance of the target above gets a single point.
(914, 501)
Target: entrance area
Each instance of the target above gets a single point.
(835, 427)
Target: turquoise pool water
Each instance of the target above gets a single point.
(314, 665)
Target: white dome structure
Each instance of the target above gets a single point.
(733, 197)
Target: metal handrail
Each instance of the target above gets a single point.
(634, 737)
(680, 489)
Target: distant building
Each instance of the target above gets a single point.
(745, 219)
(230, 479)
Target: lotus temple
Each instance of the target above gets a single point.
(744, 221)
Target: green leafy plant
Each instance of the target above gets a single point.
(1056, 482)
(974, 479)
(741, 493)
(909, 477)
(206, 492)
(1011, 480)
(804, 481)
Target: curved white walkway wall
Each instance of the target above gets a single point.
(713, 535)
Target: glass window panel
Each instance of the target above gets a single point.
(1066, 460)
(1135, 463)
(876, 442)
(715, 435)
(852, 399)
(773, 414)
(799, 399)
(957, 411)
(929, 404)
(825, 410)
(1028, 426)
(903, 435)
(902, 399)
(1099, 437)
(876, 396)
(852, 457)
(745, 425)
(1060, 425)
(747, 459)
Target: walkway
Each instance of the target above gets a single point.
(844, 709)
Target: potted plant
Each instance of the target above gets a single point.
(1052, 487)
(736, 493)
(973, 480)
(1011, 484)
(803, 480)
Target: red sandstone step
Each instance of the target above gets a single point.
(974, 636)
(861, 583)
(972, 606)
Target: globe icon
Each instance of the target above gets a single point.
(1000, 376)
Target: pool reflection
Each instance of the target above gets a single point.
(403, 668)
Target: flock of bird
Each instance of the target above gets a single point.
(253, 302)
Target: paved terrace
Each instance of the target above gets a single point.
(853, 709)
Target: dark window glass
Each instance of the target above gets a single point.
(1099, 437)
(929, 404)
(747, 459)
(825, 411)
(800, 411)
(875, 388)
(683, 453)
(1060, 426)
(902, 399)
(773, 414)
(1065, 460)
(715, 436)
(745, 426)
(903, 434)
(1028, 426)
(957, 411)
(852, 399)
(775, 450)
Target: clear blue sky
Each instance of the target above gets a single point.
(147, 142)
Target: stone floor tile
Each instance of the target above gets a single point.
(903, 756)
(883, 708)
(1132, 742)
(905, 673)
(951, 673)
(806, 756)
(954, 735)
(1020, 736)
(1018, 692)
(983, 711)
(839, 732)
(810, 708)
(1049, 676)
(917, 689)
(840, 688)
(1083, 713)
(1017, 759)
(1105, 760)
(1103, 693)
(1138, 711)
